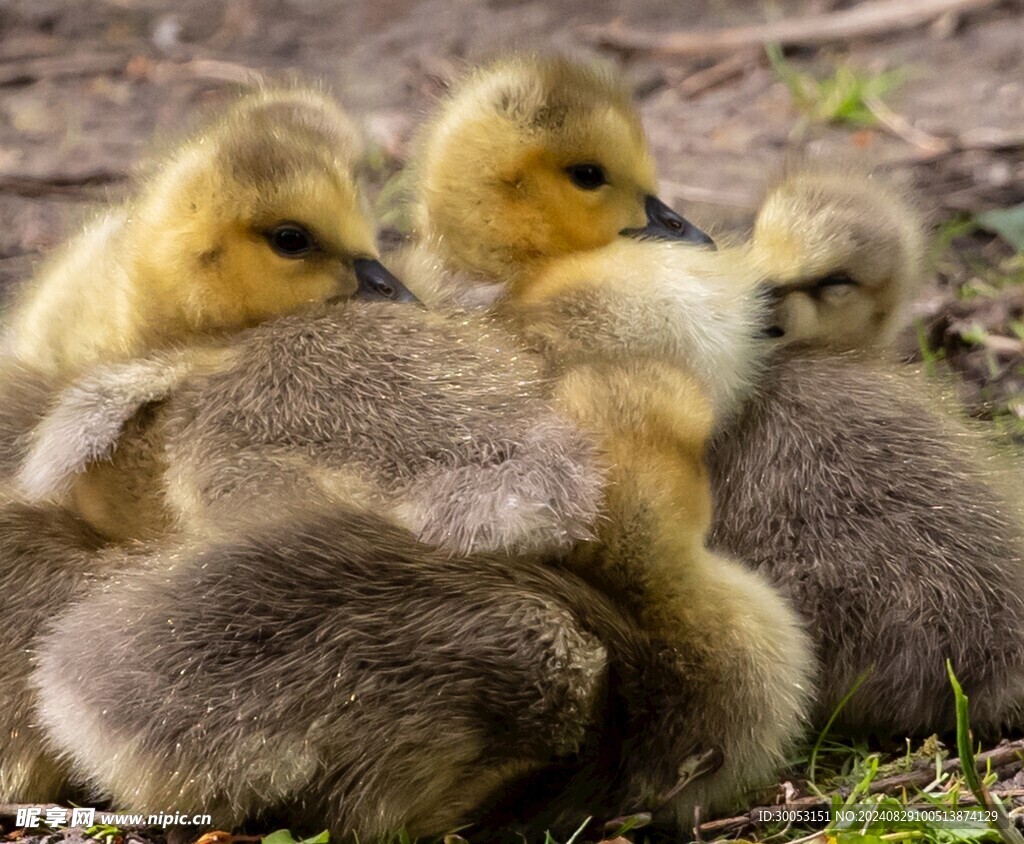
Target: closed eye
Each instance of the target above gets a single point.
(833, 288)
(835, 280)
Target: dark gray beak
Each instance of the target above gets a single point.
(773, 297)
(377, 284)
(665, 224)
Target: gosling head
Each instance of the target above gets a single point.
(257, 216)
(842, 254)
(535, 158)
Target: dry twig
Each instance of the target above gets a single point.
(59, 67)
(62, 184)
(1006, 754)
(981, 139)
(216, 70)
(711, 77)
(902, 128)
(864, 20)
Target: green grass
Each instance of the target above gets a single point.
(979, 788)
(977, 274)
(845, 774)
(107, 833)
(841, 98)
(284, 836)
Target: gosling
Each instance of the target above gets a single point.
(258, 215)
(858, 491)
(528, 180)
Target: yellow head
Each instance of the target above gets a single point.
(254, 217)
(530, 159)
(843, 253)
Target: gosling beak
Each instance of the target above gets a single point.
(773, 296)
(377, 284)
(665, 224)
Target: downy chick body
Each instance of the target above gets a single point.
(440, 421)
(368, 414)
(326, 670)
(48, 559)
(437, 421)
(653, 394)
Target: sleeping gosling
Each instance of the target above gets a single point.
(843, 253)
(858, 490)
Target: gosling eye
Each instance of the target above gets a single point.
(834, 288)
(835, 280)
(587, 176)
(290, 240)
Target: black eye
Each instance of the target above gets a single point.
(290, 240)
(587, 176)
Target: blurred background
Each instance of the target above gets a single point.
(932, 90)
